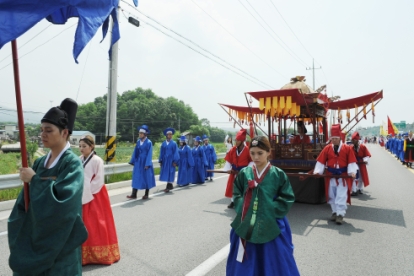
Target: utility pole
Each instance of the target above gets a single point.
(313, 71)
(111, 103)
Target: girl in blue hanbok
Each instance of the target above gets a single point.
(186, 163)
(260, 239)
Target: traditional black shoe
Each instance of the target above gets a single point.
(354, 194)
(166, 190)
(360, 192)
(145, 197)
(211, 179)
(231, 205)
(132, 196)
(333, 217)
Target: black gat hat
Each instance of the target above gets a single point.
(62, 116)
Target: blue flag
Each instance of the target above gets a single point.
(18, 16)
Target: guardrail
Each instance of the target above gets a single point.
(9, 181)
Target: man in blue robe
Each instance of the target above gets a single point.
(168, 159)
(143, 172)
(211, 157)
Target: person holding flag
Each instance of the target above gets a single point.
(47, 239)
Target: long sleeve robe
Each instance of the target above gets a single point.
(47, 239)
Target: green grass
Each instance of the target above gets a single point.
(9, 194)
(10, 163)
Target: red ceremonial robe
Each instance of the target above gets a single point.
(297, 139)
(237, 162)
(361, 153)
(345, 157)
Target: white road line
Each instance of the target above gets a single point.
(3, 233)
(210, 263)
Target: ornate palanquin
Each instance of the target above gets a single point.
(280, 110)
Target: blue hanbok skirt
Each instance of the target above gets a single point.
(272, 258)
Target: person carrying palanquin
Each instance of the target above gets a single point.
(236, 159)
(339, 159)
(362, 156)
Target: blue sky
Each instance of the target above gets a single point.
(362, 46)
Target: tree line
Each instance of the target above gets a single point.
(142, 106)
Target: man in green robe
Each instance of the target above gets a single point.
(47, 239)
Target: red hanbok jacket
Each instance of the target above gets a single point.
(360, 153)
(329, 159)
(237, 163)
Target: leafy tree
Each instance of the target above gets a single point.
(31, 148)
(217, 134)
(135, 108)
(198, 130)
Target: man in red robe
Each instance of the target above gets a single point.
(338, 159)
(362, 155)
(301, 137)
(236, 159)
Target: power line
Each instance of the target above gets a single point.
(40, 45)
(28, 41)
(290, 28)
(292, 54)
(238, 39)
(197, 45)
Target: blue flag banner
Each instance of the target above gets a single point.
(18, 16)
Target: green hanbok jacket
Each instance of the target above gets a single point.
(47, 239)
(275, 198)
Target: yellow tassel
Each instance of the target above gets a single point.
(268, 104)
(289, 102)
(294, 110)
(261, 103)
(282, 102)
(274, 102)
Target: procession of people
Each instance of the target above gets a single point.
(90, 236)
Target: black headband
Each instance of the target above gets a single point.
(259, 144)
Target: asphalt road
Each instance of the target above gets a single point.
(186, 232)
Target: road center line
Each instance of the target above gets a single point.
(3, 233)
(211, 262)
